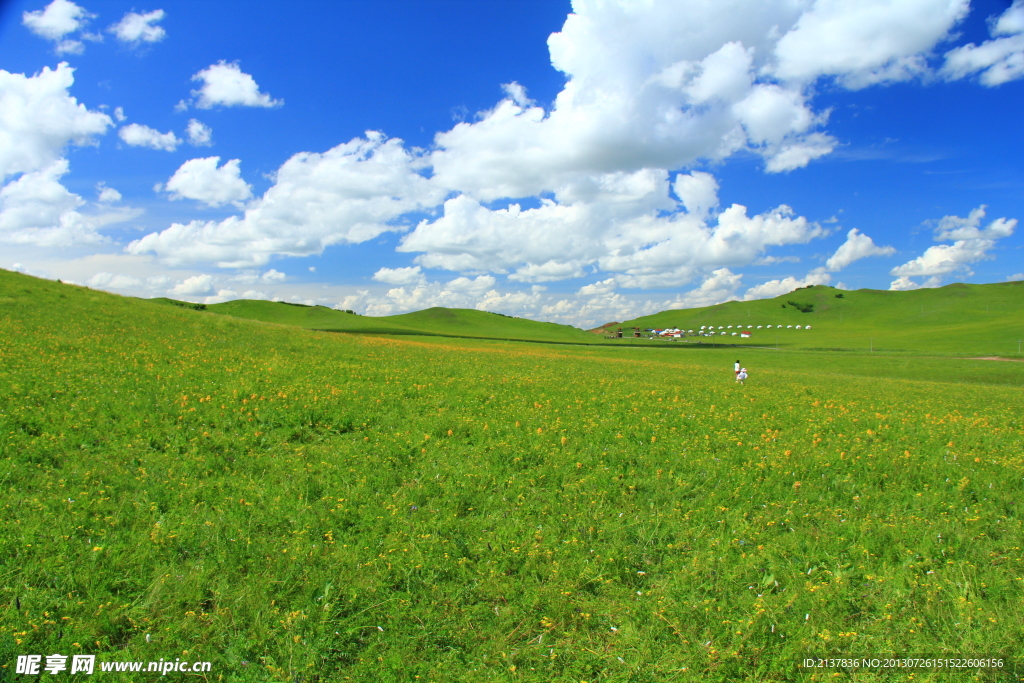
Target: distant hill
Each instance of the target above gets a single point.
(958, 319)
(449, 322)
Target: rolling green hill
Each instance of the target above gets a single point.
(958, 319)
(447, 322)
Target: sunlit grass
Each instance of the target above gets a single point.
(310, 506)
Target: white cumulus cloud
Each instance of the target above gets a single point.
(37, 209)
(857, 246)
(998, 60)
(349, 194)
(202, 180)
(865, 42)
(698, 191)
(662, 84)
(621, 235)
(399, 276)
(56, 21)
(719, 286)
(138, 135)
(971, 244)
(224, 84)
(197, 284)
(107, 195)
(39, 119)
(774, 288)
(105, 280)
(199, 134)
(138, 28)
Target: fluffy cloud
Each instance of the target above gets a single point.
(972, 244)
(199, 134)
(998, 60)
(349, 194)
(601, 288)
(774, 288)
(138, 135)
(202, 180)
(138, 28)
(617, 232)
(105, 280)
(57, 20)
(461, 292)
(662, 84)
(865, 42)
(252, 276)
(957, 228)
(224, 84)
(36, 209)
(857, 246)
(197, 284)
(38, 119)
(107, 195)
(698, 192)
(399, 276)
(719, 286)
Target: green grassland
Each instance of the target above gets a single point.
(961, 320)
(295, 505)
(958, 319)
(450, 322)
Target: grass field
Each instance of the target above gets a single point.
(293, 505)
(955, 320)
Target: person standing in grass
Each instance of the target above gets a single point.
(741, 376)
(736, 368)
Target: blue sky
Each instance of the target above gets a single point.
(575, 162)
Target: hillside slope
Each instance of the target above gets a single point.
(958, 319)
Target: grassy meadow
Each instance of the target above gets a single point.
(955, 320)
(313, 507)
